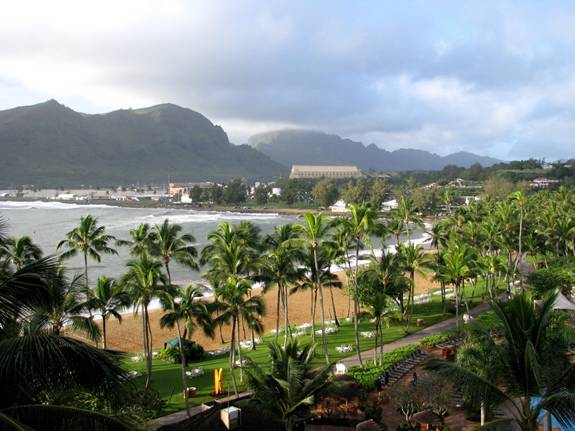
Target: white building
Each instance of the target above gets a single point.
(339, 207)
(389, 205)
(324, 171)
(540, 183)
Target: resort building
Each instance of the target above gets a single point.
(325, 171)
(181, 188)
(542, 183)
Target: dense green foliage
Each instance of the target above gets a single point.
(51, 145)
(368, 377)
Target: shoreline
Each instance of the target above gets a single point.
(198, 208)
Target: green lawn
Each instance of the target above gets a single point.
(167, 380)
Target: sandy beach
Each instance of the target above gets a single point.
(127, 336)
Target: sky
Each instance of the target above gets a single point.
(492, 77)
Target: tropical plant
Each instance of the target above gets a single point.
(313, 232)
(278, 268)
(167, 243)
(456, 268)
(139, 242)
(184, 305)
(536, 375)
(19, 251)
(360, 224)
(144, 281)
(35, 370)
(413, 259)
(65, 305)
(234, 305)
(89, 239)
(107, 299)
(288, 386)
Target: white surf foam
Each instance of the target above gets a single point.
(19, 205)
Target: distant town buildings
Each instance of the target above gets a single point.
(184, 188)
(541, 183)
(325, 171)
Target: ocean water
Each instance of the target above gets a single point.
(48, 222)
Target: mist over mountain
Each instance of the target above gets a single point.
(49, 144)
(311, 147)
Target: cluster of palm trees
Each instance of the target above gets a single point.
(41, 370)
(486, 241)
(494, 240)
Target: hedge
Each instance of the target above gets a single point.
(368, 377)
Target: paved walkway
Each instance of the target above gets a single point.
(414, 338)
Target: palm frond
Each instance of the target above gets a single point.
(44, 417)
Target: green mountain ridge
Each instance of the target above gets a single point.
(50, 145)
(290, 147)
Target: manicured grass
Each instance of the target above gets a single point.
(167, 380)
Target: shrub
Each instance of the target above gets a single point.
(543, 280)
(192, 351)
(407, 427)
(433, 340)
(369, 376)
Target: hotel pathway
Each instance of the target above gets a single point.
(414, 338)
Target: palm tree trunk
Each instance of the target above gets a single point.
(280, 296)
(356, 305)
(456, 289)
(147, 355)
(166, 264)
(313, 314)
(287, 331)
(321, 310)
(233, 355)
(183, 368)
(104, 331)
(410, 299)
(442, 284)
(86, 271)
(380, 343)
(240, 357)
(375, 342)
(333, 307)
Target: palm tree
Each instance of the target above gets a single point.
(37, 369)
(107, 299)
(168, 244)
(65, 305)
(407, 213)
(521, 201)
(361, 224)
(536, 375)
(308, 280)
(184, 305)
(278, 268)
(339, 246)
(19, 251)
(376, 302)
(144, 281)
(414, 260)
(231, 251)
(139, 242)
(456, 268)
(313, 232)
(233, 304)
(89, 239)
(288, 386)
